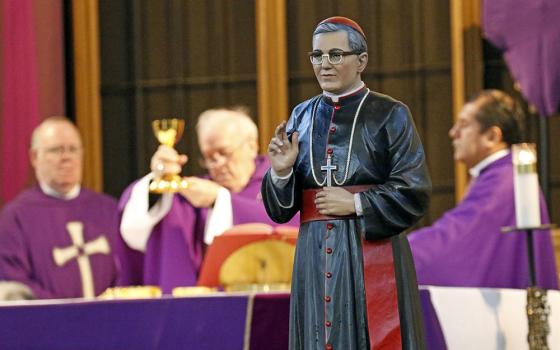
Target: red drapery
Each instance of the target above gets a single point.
(31, 77)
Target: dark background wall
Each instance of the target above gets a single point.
(172, 58)
(169, 59)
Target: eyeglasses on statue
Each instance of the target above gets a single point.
(334, 56)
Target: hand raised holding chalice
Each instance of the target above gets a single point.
(166, 163)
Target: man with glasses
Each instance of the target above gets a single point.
(351, 162)
(170, 236)
(57, 239)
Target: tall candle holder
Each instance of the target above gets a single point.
(537, 307)
(528, 219)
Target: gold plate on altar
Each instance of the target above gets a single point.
(262, 263)
(192, 291)
(254, 287)
(250, 254)
(134, 292)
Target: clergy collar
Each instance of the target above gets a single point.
(336, 97)
(51, 192)
(477, 169)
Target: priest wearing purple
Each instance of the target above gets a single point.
(354, 167)
(465, 247)
(170, 237)
(57, 239)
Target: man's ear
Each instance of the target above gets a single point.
(253, 146)
(362, 61)
(494, 135)
(33, 157)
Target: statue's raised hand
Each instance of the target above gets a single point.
(281, 151)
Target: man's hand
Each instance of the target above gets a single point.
(166, 160)
(335, 201)
(201, 193)
(281, 152)
(12, 290)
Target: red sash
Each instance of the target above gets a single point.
(379, 278)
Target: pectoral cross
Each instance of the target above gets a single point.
(81, 252)
(329, 169)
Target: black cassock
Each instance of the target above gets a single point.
(373, 141)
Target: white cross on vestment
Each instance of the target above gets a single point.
(329, 168)
(81, 251)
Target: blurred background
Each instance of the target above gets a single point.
(113, 66)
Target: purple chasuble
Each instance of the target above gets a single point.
(465, 247)
(529, 35)
(175, 248)
(34, 224)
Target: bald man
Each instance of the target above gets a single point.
(57, 239)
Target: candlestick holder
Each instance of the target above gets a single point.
(537, 307)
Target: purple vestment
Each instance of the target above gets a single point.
(175, 248)
(529, 35)
(34, 224)
(465, 247)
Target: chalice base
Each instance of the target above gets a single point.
(168, 184)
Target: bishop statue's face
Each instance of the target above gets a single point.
(337, 78)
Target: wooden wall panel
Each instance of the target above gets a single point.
(438, 145)
(171, 58)
(85, 45)
(183, 57)
(272, 85)
(115, 52)
(178, 58)
(119, 147)
(197, 51)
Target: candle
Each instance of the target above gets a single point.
(526, 185)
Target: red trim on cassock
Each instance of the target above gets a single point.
(381, 295)
(380, 282)
(309, 211)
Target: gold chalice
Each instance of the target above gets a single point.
(168, 132)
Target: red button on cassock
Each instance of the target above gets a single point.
(332, 129)
(329, 250)
(328, 347)
(330, 226)
(336, 107)
(329, 150)
(328, 299)
(329, 275)
(328, 324)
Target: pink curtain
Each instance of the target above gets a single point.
(31, 83)
(20, 99)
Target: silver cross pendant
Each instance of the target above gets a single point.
(329, 168)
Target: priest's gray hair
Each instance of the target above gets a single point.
(35, 136)
(355, 40)
(235, 120)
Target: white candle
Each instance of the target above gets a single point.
(526, 185)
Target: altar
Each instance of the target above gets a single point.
(454, 318)
(220, 321)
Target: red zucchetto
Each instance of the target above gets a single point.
(345, 21)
